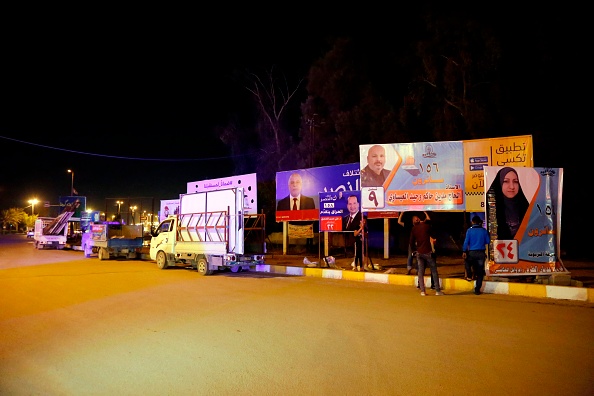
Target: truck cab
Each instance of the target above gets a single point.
(207, 234)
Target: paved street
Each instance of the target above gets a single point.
(73, 326)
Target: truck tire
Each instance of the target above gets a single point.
(202, 267)
(162, 260)
(103, 254)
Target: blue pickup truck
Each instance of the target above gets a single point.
(110, 239)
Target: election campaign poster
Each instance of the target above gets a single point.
(524, 220)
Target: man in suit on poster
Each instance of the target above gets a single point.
(295, 200)
(351, 222)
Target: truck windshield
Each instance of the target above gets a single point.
(164, 227)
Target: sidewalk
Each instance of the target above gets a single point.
(577, 285)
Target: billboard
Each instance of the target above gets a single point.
(412, 176)
(435, 175)
(168, 207)
(248, 182)
(334, 209)
(512, 151)
(524, 220)
(75, 203)
(297, 191)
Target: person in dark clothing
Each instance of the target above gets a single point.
(421, 237)
(415, 219)
(360, 234)
(474, 247)
(354, 222)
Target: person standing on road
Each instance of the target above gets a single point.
(474, 248)
(353, 222)
(414, 220)
(360, 235)
(420, 237)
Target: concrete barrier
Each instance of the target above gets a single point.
(554, 291)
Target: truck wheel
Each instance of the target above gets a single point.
(103, 254)
(161, 260)
(202, 267)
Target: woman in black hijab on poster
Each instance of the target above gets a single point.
(510, 202)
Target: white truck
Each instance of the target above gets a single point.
(208, 233)
(51, 232)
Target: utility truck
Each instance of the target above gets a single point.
(111, 239)
(51, 232)
(208, 233)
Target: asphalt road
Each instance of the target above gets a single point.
(76, 326)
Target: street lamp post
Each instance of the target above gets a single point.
(71, 182)
(133, 209)
(33, 202)
(119, 203)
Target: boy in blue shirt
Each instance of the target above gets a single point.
(475, 244)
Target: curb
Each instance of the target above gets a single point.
(489, 287)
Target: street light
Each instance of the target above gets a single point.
(133, 209)
(33, 202)
(71, 182)
(119, 203)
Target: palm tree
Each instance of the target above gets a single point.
(12, 218)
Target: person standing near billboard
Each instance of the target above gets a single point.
(353, 223)
(421, 237)
(476, 243)
(414, 220)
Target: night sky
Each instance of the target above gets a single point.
(130, 105)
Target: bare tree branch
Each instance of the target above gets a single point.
(272, 101)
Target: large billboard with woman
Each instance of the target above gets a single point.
(524, 220)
